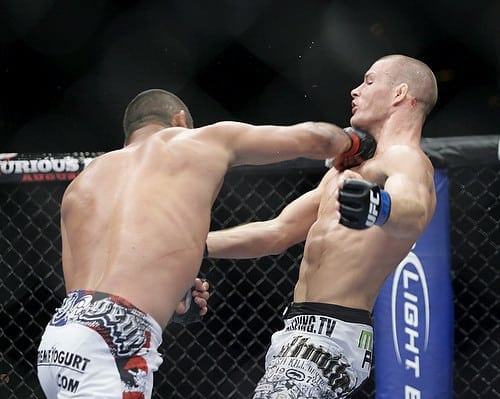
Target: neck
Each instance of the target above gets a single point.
(399, 128)
(144, 132)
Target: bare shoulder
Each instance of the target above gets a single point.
(400, 151)
(398, 161)
(221, 128)
(407, 157)
(407, 167)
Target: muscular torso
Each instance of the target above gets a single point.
(135, 221)
(344, 266)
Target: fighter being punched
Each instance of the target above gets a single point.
(358, 225)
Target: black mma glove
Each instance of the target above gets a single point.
(363, 204)
(192, 313)
(362, 148)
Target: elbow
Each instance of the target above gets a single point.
(278, 249)
(415, 230)
(423, 217)
(414, 226)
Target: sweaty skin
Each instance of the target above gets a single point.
(341, 265)
(135, 221)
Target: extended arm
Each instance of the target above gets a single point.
(258, 145)
(269, 237)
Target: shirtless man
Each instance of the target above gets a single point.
(134, 225)
(357, 225)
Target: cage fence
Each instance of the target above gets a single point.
(223, 356)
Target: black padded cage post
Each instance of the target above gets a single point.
(223, 356)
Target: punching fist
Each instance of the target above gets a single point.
(363, 204)
(363, 147)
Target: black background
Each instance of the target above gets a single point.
(68, 68)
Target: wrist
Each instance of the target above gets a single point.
(353, 147)
(384, 209)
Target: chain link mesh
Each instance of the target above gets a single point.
(475, 237)
(223, 357)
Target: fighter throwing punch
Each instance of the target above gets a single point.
(134, 225)
(357, 225)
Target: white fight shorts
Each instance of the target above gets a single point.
(99, 346)
(324, 351)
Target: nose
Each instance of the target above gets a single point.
(355, 92)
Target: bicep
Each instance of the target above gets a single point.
(410, 175)
(243, 143)
(257, 145)
(266, 144)
(411, 187)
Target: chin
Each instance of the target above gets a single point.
(356, 123)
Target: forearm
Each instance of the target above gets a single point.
(332, 141)
(250, 240)
(313, 140)
(270, 237)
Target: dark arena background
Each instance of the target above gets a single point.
(68, 69)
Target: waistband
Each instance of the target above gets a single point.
(79, 305)
(350, 315)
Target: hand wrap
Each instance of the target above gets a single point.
(363, 204)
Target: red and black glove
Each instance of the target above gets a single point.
(362, 148)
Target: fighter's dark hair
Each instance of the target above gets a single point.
(150, 106)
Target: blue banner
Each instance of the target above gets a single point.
(414, 316)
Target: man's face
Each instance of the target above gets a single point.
(371, 100)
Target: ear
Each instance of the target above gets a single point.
(400, 93)
(179, 120)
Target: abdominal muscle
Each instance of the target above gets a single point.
(346, 267)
